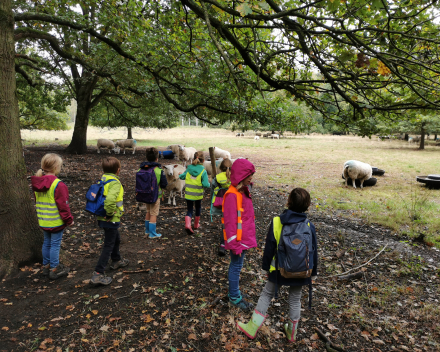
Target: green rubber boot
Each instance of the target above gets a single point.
(290, 329)
(251, 328)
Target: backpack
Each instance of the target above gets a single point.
(95, 198)
(295, 249)
(147, 189)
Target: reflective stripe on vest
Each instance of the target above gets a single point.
(223, 182)
(239, 196)
(47, 210)
(120, 197)
(193, 186)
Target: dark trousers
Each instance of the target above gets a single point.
(110, 249)
(190, 206)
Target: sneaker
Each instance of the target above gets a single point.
(58, 272)
(100, 279)
(241, 303)
(46, 270)
(119, 264)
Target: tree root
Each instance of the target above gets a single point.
(353, 276)
(329, 346)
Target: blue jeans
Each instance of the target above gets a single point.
(51, 248)
(234, 274)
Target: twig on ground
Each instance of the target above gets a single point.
(353, 276)
(329, 346)
(360, 266)
(136, 271)
(172, 208)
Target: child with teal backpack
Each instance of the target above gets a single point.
(293, 217)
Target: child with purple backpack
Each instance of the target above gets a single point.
(150, 182)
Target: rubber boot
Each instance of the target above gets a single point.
(196, 222)
(251, 328)
(188, 228)
(153, 233)
(147, 227)
(290, 329)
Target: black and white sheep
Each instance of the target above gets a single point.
(357, 170)
(175, 184)
(105, 143)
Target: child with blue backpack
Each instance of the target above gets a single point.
(150, 181)
(114, 209)
(291, 236)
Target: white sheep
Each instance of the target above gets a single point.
(256, 138)
(175, 149)
(275, 136)
(220, 153)
(125, 143)
(410, 140)
(186, 154)
(105, 143)
(208, 166)
(357, 170)
(175, 184)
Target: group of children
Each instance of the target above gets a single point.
(231, 190)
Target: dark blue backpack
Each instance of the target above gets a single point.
(95, 198)
(147, 189)
(295, 249)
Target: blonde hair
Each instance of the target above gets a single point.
(50, 163)
(225, 166)
(199, 158)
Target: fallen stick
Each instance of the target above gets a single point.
(136, 271)
(171, 208)
(217, 300)
(360, 266)
(329, 346)
(353, 276)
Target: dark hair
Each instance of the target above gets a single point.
(152, 154)
(299, 200)
(110, 165)
(199, 158)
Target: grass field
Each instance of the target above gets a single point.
(315, 163)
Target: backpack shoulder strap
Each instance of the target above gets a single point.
(277, 228)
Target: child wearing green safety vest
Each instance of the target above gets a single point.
(53, 211)
(219, 186)
(196, 178)
(297, 204)
(114, 208)
(152, 155)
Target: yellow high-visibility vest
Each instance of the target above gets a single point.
(193, 186)
(47, 210)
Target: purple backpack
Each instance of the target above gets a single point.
(147, 188)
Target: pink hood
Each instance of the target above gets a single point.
(241, 168)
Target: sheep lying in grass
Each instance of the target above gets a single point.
(357, 170)
(186, 154)
(105, 143)
(175, 184)
(220, 153)
(125, 143)
(175, 149)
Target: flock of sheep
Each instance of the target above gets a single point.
(116, 146)
(264, 135)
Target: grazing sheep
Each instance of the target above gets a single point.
(258, 134)
(357, 170)
(105, 143)
(175, 184)
(410, 140)
(125, 143)
(266, 135)
(240, 134)
(175, 149)
(256, 138)
(220, 153)
(275, 136)
(186, 154)
(416, 139)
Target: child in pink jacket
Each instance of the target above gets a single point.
(239, 236)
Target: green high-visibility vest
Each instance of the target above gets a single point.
(47, 210)
(223, 182)
(120, 198)
(193, 186)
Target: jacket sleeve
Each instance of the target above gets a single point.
(205, 180)
(315, 254)
(183, 176)
(163, 183)
(110, 201)
(270, 248)
(230, 215)
(62, 202)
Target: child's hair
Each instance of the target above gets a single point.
(110, 165)
(225, 166)
(152, 154)
(199, 158)
(299, 200)
(50, 163)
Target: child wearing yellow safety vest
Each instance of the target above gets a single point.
(196, 178)
(297, 204)
(53, 211)
(219, 186)
(113, 205)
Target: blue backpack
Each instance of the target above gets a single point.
(95, 198)
(147, 189)
(295, 249)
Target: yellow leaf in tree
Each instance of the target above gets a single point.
(383, 70)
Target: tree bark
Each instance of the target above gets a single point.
(78, 144)
(422, 136)
(406, 137)
(129, 135)
(20, 235)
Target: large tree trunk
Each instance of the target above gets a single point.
(20, 235)
(422, 137)
(129, 135)
(78, 144)
(406, 137)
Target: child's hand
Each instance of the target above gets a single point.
(71, 224)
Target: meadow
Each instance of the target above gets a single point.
(315, 162)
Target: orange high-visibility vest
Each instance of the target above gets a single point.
(232, 189)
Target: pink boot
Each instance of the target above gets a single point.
(196, 222)
(188, 228)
